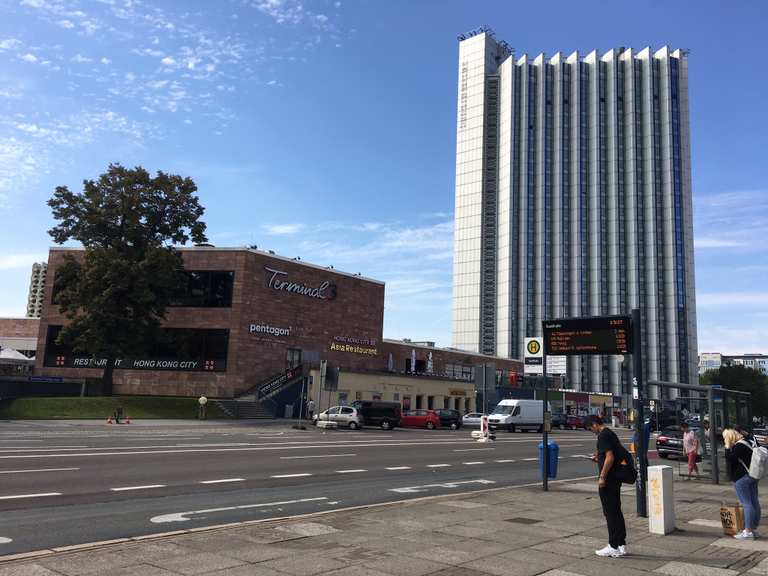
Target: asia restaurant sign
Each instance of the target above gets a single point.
(364, 346)
(281, 281)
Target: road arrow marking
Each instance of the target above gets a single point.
(181, 516)
(415, 489)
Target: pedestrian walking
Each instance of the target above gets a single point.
(739, 444)
(609, 452)
(311, 408)
(691, 448)
(704, 439)
(202, 402)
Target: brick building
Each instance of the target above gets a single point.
(20, 334)
(248, 320)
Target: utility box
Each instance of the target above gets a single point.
(661, 500)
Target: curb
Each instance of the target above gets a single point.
(45, 552)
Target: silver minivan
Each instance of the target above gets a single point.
(344, 416)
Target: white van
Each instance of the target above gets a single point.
(518, 415)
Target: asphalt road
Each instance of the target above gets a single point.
(70, 483)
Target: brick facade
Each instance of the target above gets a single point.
(339, 319)
(19, 327)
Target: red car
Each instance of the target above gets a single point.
(420, 419)
(574, 422)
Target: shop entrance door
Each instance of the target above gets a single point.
(419, 401)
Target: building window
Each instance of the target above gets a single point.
(188, 349)
(206, 289)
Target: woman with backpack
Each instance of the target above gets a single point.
(739, 445)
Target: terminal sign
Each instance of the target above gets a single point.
(594, 335)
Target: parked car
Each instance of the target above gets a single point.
(449, 418)
(559, 420)
(670, 442)
(387, 415)
(344, 416)
(420, 419)
(574, 422)
(472, 419)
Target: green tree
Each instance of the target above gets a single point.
(743, 379)
(115, 296)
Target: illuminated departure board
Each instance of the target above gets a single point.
(594, 335)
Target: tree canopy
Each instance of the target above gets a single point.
(115, 294)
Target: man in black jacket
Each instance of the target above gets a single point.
(609, 449)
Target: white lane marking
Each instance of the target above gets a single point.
(4, 540)
(40, 495)
(472, 463)
(316, 456)
(38, 470)
(248, 448)
(505, 461)
(473, 449)
(398, 468)
(438, 465)
(223, 481)
(415, 489)
(351, 471)
(181, 516)
(147, 487)
(529, 459)
(290, 475)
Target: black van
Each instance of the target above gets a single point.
(379, 413)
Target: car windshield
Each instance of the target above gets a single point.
(503, 409)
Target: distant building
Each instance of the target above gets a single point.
(714, 360)
(36, 289)
(710, 361)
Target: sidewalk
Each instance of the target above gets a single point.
(504, 532)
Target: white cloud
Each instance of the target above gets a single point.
(80, 59)
(68, 24)
(9, 44)
(282, 11)
(282, 229)
(728, 339)
(168, 61)
(33, 3)
(105, 61)
(271, 82)
(731, 299)
(31, 58)
(13, 261)
(709, 242)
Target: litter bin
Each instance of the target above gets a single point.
(554, 449)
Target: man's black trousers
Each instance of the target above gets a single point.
(610, 497)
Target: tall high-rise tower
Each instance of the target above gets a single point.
(36, 289)
(573, 198)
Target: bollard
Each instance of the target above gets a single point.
(661, 500)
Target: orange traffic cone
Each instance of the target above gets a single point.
(109, 420)
(127, 419)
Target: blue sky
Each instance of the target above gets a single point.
(326, 129)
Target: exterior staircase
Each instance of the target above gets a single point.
(245, 409)
(259, 400)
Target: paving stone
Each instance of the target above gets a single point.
(256, 553)
(87, 562)
(751, 545)
(304, 564)
(247, 570)
(405, 566)
(558, 572)
(27, 570)
(199, 563)
(459, 571)
(356, 571)
(565, 549)
(687, 569)
(464, 504)
(503, 565)
(307, 528)
(139, 570)
(465, 530)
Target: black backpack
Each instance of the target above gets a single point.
(624, 467)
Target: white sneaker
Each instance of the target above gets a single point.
(608, 552)
(622, 550)
(744, 535)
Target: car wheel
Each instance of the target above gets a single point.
(353, 426)
(540, 429)
(562, 426)
(385, 425)
(430, 425)
(663, 455)
(454, 426)
(511, 428)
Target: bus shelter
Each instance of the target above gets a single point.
(700, 405)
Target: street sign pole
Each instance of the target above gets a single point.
(545, 426)
(639, 384)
